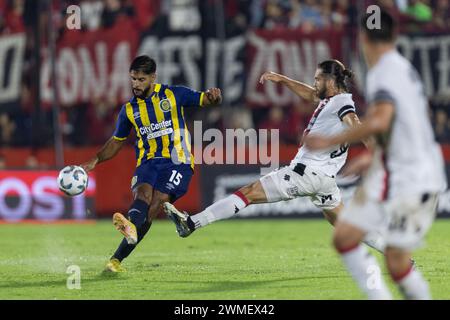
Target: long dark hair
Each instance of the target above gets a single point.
(337, 70)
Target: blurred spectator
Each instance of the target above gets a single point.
(32, 163)
(240, 118)
(75, 127)
(184, 15)
(297, 122)
(441, 17)
(237, 16)
(213, 118)
(256, 13)
(146, 12)
(101, 116)
(14, 16)
(309, 16)
(343, 15)
(113, 10)
(7, 129)
(2, 17)
(275, 15)
(420, 10)
(91, 19)
(276, 120)
(442, 126)
(402, 5)
(2, 162)
(391, 7)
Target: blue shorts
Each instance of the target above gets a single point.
(165, 176)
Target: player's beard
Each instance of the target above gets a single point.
(322, 93)
(144, 93)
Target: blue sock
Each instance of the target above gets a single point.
(138, 212)
(138, 215)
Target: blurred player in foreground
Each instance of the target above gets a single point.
(163, 150)
(311, 173)
(399, 192)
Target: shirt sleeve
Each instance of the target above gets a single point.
(379, 90)
(382, 95)
(345, 110)
(343, 105)
(188, 97)
(123, 125)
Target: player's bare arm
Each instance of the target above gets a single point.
(377, 121)
(352, 120)
(301, 89)
(212, 96)
(108, 151)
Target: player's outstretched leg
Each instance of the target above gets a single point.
(183, 223)
(139, 220)
(220, 210)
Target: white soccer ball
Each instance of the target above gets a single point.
(72, 180)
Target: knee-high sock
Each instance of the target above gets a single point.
(412, 285)
(138, 216)
(365, 271)
(220, 210)
(125, 249)
(375, 240)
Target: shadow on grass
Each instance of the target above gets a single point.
(232, 285)
(62, 282)
(197, 286)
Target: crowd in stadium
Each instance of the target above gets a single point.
(92, 123)
(270, 14)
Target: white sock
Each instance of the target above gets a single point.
(376, 241)
(413, 286)
(220, 210)
(365, 271)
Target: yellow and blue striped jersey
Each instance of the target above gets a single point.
(161, 130)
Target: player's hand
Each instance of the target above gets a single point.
(358, 165)
(90, 165)
(315, 142)
(214, 95)
(271, 76)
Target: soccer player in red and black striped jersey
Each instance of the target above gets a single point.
(163, 149)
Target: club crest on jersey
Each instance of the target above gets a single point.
(165, 105)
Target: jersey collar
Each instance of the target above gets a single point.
(156, 89)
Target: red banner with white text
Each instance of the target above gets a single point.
(289, 52)
(35, 195)
(92, 65)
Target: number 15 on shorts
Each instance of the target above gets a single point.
(176, 177)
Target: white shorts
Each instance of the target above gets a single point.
(286, 184)
(402, 221)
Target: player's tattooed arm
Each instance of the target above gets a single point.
(212, 96)
(301, 89)
(108, 151)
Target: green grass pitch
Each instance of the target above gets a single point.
(235, 259)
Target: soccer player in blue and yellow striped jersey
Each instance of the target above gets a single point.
(164, 162)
